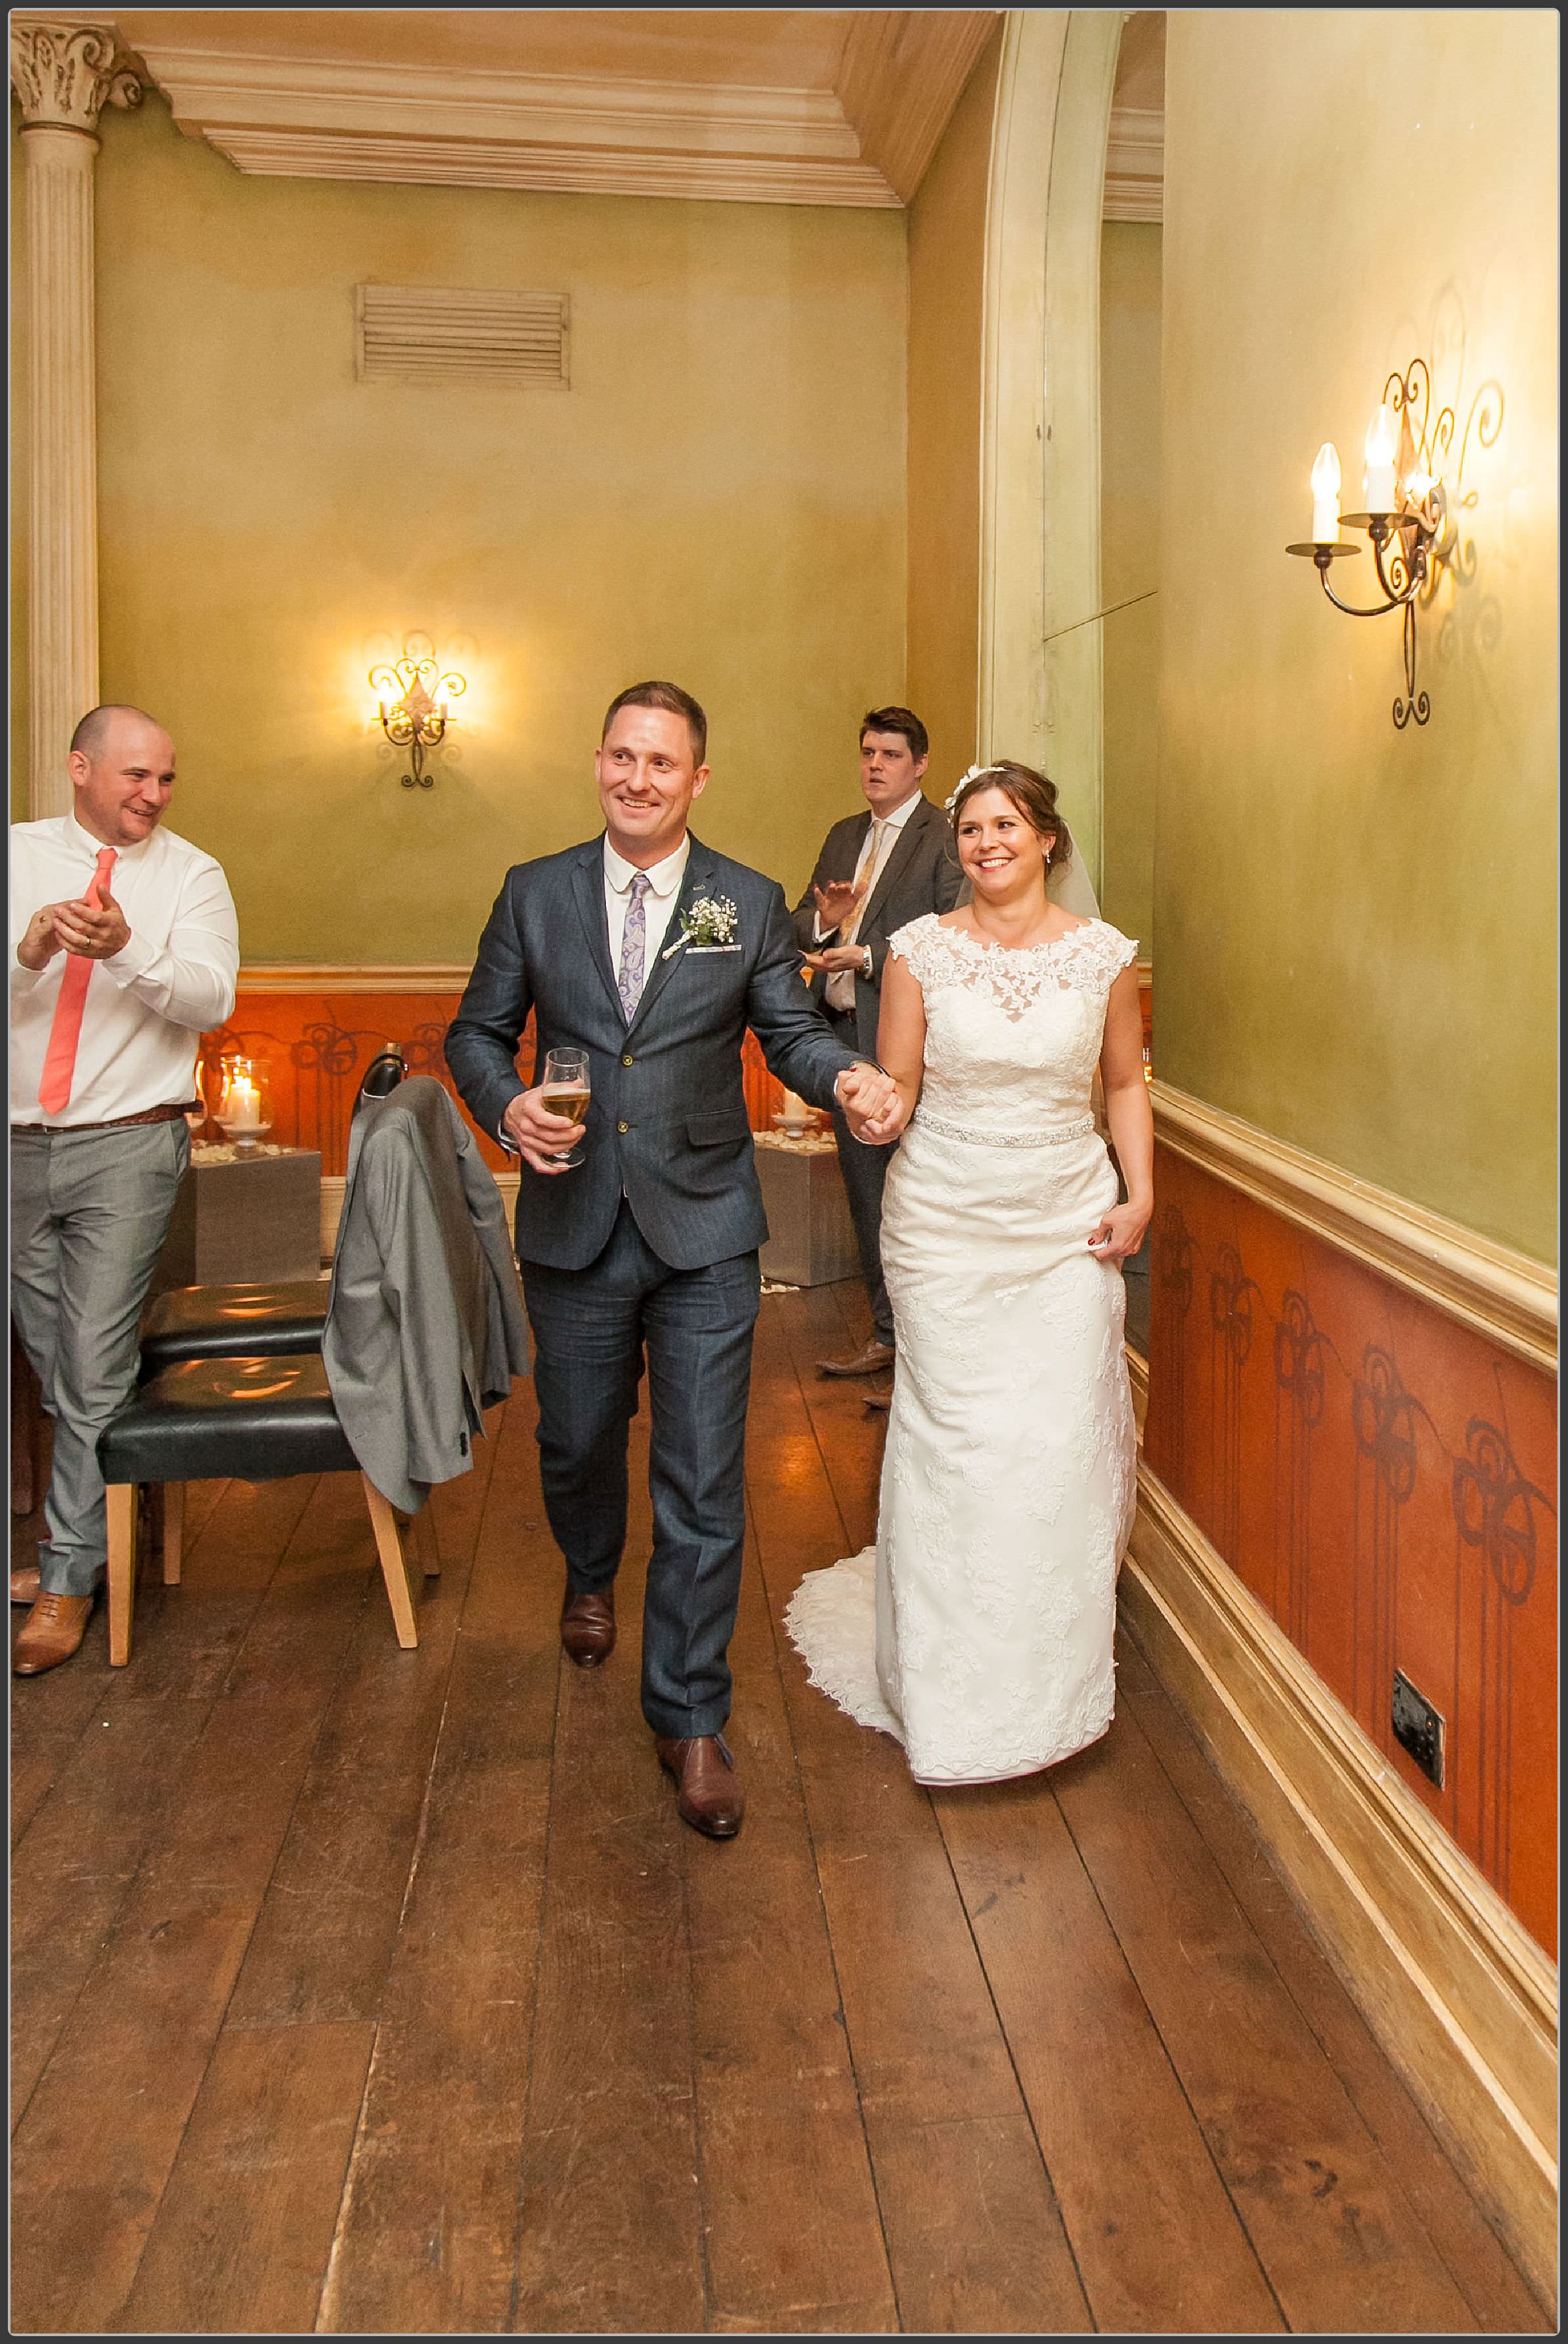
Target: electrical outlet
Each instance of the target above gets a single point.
(1418, 1728)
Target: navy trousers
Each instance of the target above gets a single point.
(593, 1328)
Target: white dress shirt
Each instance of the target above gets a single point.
(148, 1002)
(879, 842)
(663, 887)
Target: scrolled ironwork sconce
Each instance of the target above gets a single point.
(413, 693)
(1408, 521)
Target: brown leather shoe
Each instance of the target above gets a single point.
(709, 1798)
(587, 1628)
(870, 1363)
(25, 1588)
(880, 1401)
(51, 1632)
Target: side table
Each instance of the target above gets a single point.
(240, 1217)
(811, 1238)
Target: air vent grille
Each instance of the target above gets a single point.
(433, 333)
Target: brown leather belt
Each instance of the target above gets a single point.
(121, 1122)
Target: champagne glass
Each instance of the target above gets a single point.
(566, 1090)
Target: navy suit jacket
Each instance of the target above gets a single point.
(920, 874)
(666, 1126)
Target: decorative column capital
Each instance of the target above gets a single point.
(65, 70)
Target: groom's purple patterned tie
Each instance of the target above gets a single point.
(633, 948)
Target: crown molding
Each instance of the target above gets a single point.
(1135, 164)
(900, 76)
(864, 145)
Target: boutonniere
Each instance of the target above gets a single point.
(709, 920)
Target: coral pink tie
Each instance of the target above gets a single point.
(60, 1057)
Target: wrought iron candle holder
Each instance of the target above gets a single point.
(413, 695)
(1412, 532)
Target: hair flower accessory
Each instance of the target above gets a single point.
(709, 920)
(974, 774)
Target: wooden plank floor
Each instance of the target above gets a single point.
(378, 1991)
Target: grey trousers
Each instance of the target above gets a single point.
(89, 1211)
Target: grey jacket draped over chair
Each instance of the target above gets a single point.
(426, 1326)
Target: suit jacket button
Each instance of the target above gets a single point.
(623, 1127)
(627, 1060)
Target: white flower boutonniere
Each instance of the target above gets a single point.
(709, 921)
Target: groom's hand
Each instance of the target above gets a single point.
(540, 1138)
(872, 1104)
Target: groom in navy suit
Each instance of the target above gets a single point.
(653, 954)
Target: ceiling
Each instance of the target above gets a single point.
(767, 104)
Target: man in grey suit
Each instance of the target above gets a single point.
(877, 871)
(653, 954)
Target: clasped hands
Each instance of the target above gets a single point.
(873, 1105)
(93, 931)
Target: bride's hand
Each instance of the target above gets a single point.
(1120, 1233)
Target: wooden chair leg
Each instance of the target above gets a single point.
(122, 1507)
(394, 1570)
(421, 1541)
(173, 1530)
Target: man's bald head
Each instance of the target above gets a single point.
(122, 766)
(95, 727)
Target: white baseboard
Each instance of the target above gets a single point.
(332, 1187)
(1457, 1994)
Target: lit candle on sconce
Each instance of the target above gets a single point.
(1379, 482)
(1326, 495)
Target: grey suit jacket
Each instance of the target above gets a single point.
(425, 1324)
(921, 874)
(667, 1126)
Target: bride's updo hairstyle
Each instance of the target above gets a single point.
(1030, 793)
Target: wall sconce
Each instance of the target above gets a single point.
(413, 695)
(1407, 519)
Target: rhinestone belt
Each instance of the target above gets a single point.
(1079, 1130)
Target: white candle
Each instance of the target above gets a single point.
(794, 1109)
(243, 1109)
(1381, 451)
(1326, 495)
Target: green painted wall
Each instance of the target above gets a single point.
(1130, 277)
(1357, 928)
(946, 275)
(720, 497)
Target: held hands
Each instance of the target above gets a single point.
(872, 1104)
(539, 1138)
(1120, 1233)
(93, 931)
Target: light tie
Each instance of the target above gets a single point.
(633, 948)
(60, 1057)
(839, 989)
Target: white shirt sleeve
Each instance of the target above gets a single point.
(191, 980)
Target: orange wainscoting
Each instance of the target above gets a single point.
(315, 1047)
(1384, 1481)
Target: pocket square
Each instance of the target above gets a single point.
(692, 950)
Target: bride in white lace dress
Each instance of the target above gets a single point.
(979, 1629)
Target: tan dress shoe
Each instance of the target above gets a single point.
(880, 1401)
(51, 1632)
(25, 1587)
(587, 1628)
(709, 1798)
(869, 1362)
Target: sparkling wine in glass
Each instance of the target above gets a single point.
(566, 1090)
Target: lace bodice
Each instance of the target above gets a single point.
(1012, 1038)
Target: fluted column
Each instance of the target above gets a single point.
(63, 72)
